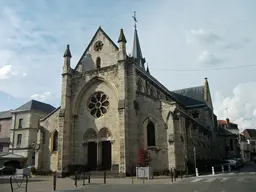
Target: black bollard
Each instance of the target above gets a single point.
(11, 184)
(174, 172)
(89, 178)
(105, 175)
(54, 181)
(180, 174)
(83, 178)
(76, 179)
(26, 187)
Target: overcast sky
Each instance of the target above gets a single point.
(183, 41)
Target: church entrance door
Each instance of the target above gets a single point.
(106, 155)
(92, 155)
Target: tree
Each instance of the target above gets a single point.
(143, 158)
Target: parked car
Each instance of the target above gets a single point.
(7, 170)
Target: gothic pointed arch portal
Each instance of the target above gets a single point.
(105, 139)
(90, 138)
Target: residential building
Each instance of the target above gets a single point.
(250, 134)
(19, 128)
(5, 125)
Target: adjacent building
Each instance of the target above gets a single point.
(19, 129)
(250, 134)
(5, 125)
(229, 133)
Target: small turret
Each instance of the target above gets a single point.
(122, 46)
(206, 90)
(67, 57)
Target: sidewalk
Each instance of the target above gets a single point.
(45, 183)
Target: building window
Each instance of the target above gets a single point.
(98, 62)
(55, 141)
(1, 148)
(151, 134)
(20, 123)
(19, 138)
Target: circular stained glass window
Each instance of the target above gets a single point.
(98, 104)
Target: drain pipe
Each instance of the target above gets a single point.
(13, 135)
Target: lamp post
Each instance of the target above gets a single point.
(195, 158)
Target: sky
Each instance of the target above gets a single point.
(183, 42)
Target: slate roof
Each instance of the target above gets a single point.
(223, 131)
(191, 96)
(5, 115)
(251, 133)
(36, 105)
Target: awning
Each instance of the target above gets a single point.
(11, 156)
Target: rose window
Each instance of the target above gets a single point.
(98, 104)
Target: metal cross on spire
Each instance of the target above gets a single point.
(135, 19)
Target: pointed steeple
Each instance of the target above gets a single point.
(67, 52)
(136, 50)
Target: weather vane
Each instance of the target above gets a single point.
(135, 19)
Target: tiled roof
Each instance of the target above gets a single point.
(36, 105)
(5, 115)
(222, 122)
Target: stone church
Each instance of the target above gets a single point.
(111, 106)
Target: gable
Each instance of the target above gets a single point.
(107, 54)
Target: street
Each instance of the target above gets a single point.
(237, 181)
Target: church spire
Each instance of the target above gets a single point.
(136, 51)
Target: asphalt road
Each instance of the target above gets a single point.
(239, 181)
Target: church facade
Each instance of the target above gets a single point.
(111, 106)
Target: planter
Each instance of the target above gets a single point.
(144, 172)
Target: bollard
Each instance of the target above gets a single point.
(105, 175)
(229, 168)
(76, 179)
(54, 181)
(222, 168)
(26, 188)
(89, 178)
(180, 174)
(83, 178)
(11, 184)
(213, 173)
(197, 172)
(174, 173)
(171, 175)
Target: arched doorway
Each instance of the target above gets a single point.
(105, 138)
(90, 137)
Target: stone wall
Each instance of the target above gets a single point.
(45, 158)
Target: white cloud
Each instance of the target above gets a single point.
(240, 108)
(7, 71)
(207, 57)
(203, 37)
(41, 97)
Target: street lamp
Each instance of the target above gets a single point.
(195, 159)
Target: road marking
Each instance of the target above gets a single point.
(240, 179)
(196, 180)
(210, 180)
(240, 173)
(252, 173)
(224, 179)
(231, 173)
